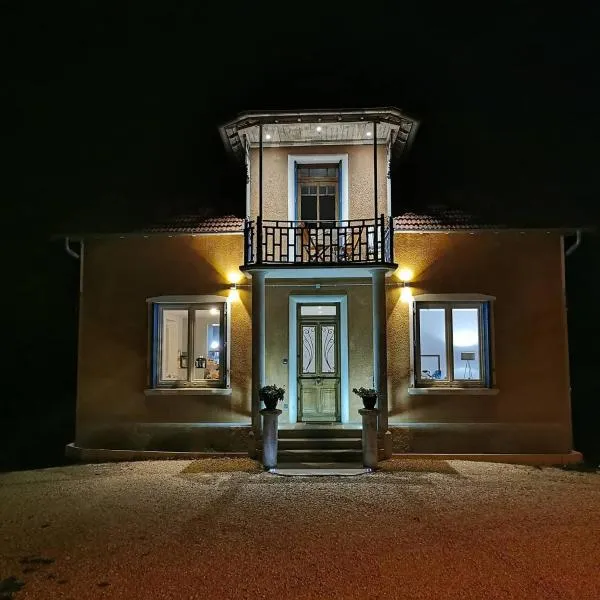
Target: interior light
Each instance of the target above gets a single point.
(405, 274)
(319, 128)
(214, 345)
(214, 311)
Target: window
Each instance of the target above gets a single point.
(317, 192)
(189, 344)
(452, 344)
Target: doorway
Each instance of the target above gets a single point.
(318, 363)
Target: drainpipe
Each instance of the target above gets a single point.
(574, 245)
(69, 250)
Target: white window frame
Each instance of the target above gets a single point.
(156, 307)
(484, 385)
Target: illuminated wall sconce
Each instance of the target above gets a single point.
(405, 276)
(234, 294)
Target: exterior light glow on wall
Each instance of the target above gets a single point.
(234, 277)
(405, 275)
(234, 294)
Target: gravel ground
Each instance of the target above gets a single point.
(147, 530)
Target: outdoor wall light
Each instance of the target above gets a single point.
(406, 293)
(405, 275)
(234, 294)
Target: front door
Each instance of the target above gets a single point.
(318, 363)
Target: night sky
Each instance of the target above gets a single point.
(114, 109)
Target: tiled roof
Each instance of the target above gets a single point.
(196, 224)
(443, 219)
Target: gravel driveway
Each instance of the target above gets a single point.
(145, 530)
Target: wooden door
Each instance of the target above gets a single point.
(318, 365)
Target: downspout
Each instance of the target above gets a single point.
(574, 245)
(69, 250)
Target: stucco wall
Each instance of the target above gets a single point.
(531, 412)
(524, 273)
(119, 275)
(360, 179)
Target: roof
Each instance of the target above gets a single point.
(197, 224)
(442, 218)
(402, 128)
(432, 219)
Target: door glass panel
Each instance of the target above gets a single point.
(207, 344)
(432, 332)
(174, 345)
(309, 335)
(317, 310)
(465, 339)
(328, 348)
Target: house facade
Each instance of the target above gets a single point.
(459, 325)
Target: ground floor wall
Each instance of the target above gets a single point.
(529, 413)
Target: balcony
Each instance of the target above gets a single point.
(360, 242)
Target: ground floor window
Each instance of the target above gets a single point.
(452, 343)
(189, 344)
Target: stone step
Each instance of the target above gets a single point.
(319, 443)
(319, 432)
(315, 455)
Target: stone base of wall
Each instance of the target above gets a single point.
(167, 437)
(480, 438)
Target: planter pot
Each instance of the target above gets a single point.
(270, 403)
(369, 402)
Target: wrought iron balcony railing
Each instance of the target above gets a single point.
(331, 243)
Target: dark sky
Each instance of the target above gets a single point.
(117, 104)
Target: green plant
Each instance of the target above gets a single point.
(365, 392)
(271, 394)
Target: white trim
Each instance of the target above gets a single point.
(447, 391)
(188, 391)
(292, 352)
(453, 298)
(304, 159)
(207, 299)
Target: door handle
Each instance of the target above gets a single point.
(318, 381)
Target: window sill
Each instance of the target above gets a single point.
(188, 391)
(448, 391)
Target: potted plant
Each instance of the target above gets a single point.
(271, 395)
(368, 395)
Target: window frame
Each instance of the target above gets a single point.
(156, 307)
(317, 180)
(484, 305)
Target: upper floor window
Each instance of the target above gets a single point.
(189, 344)
(318, 192)
(452, 343)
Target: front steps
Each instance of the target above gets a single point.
(320, 444)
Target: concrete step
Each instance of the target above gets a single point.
(318, 443)
(319, 432)
(313, 456)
